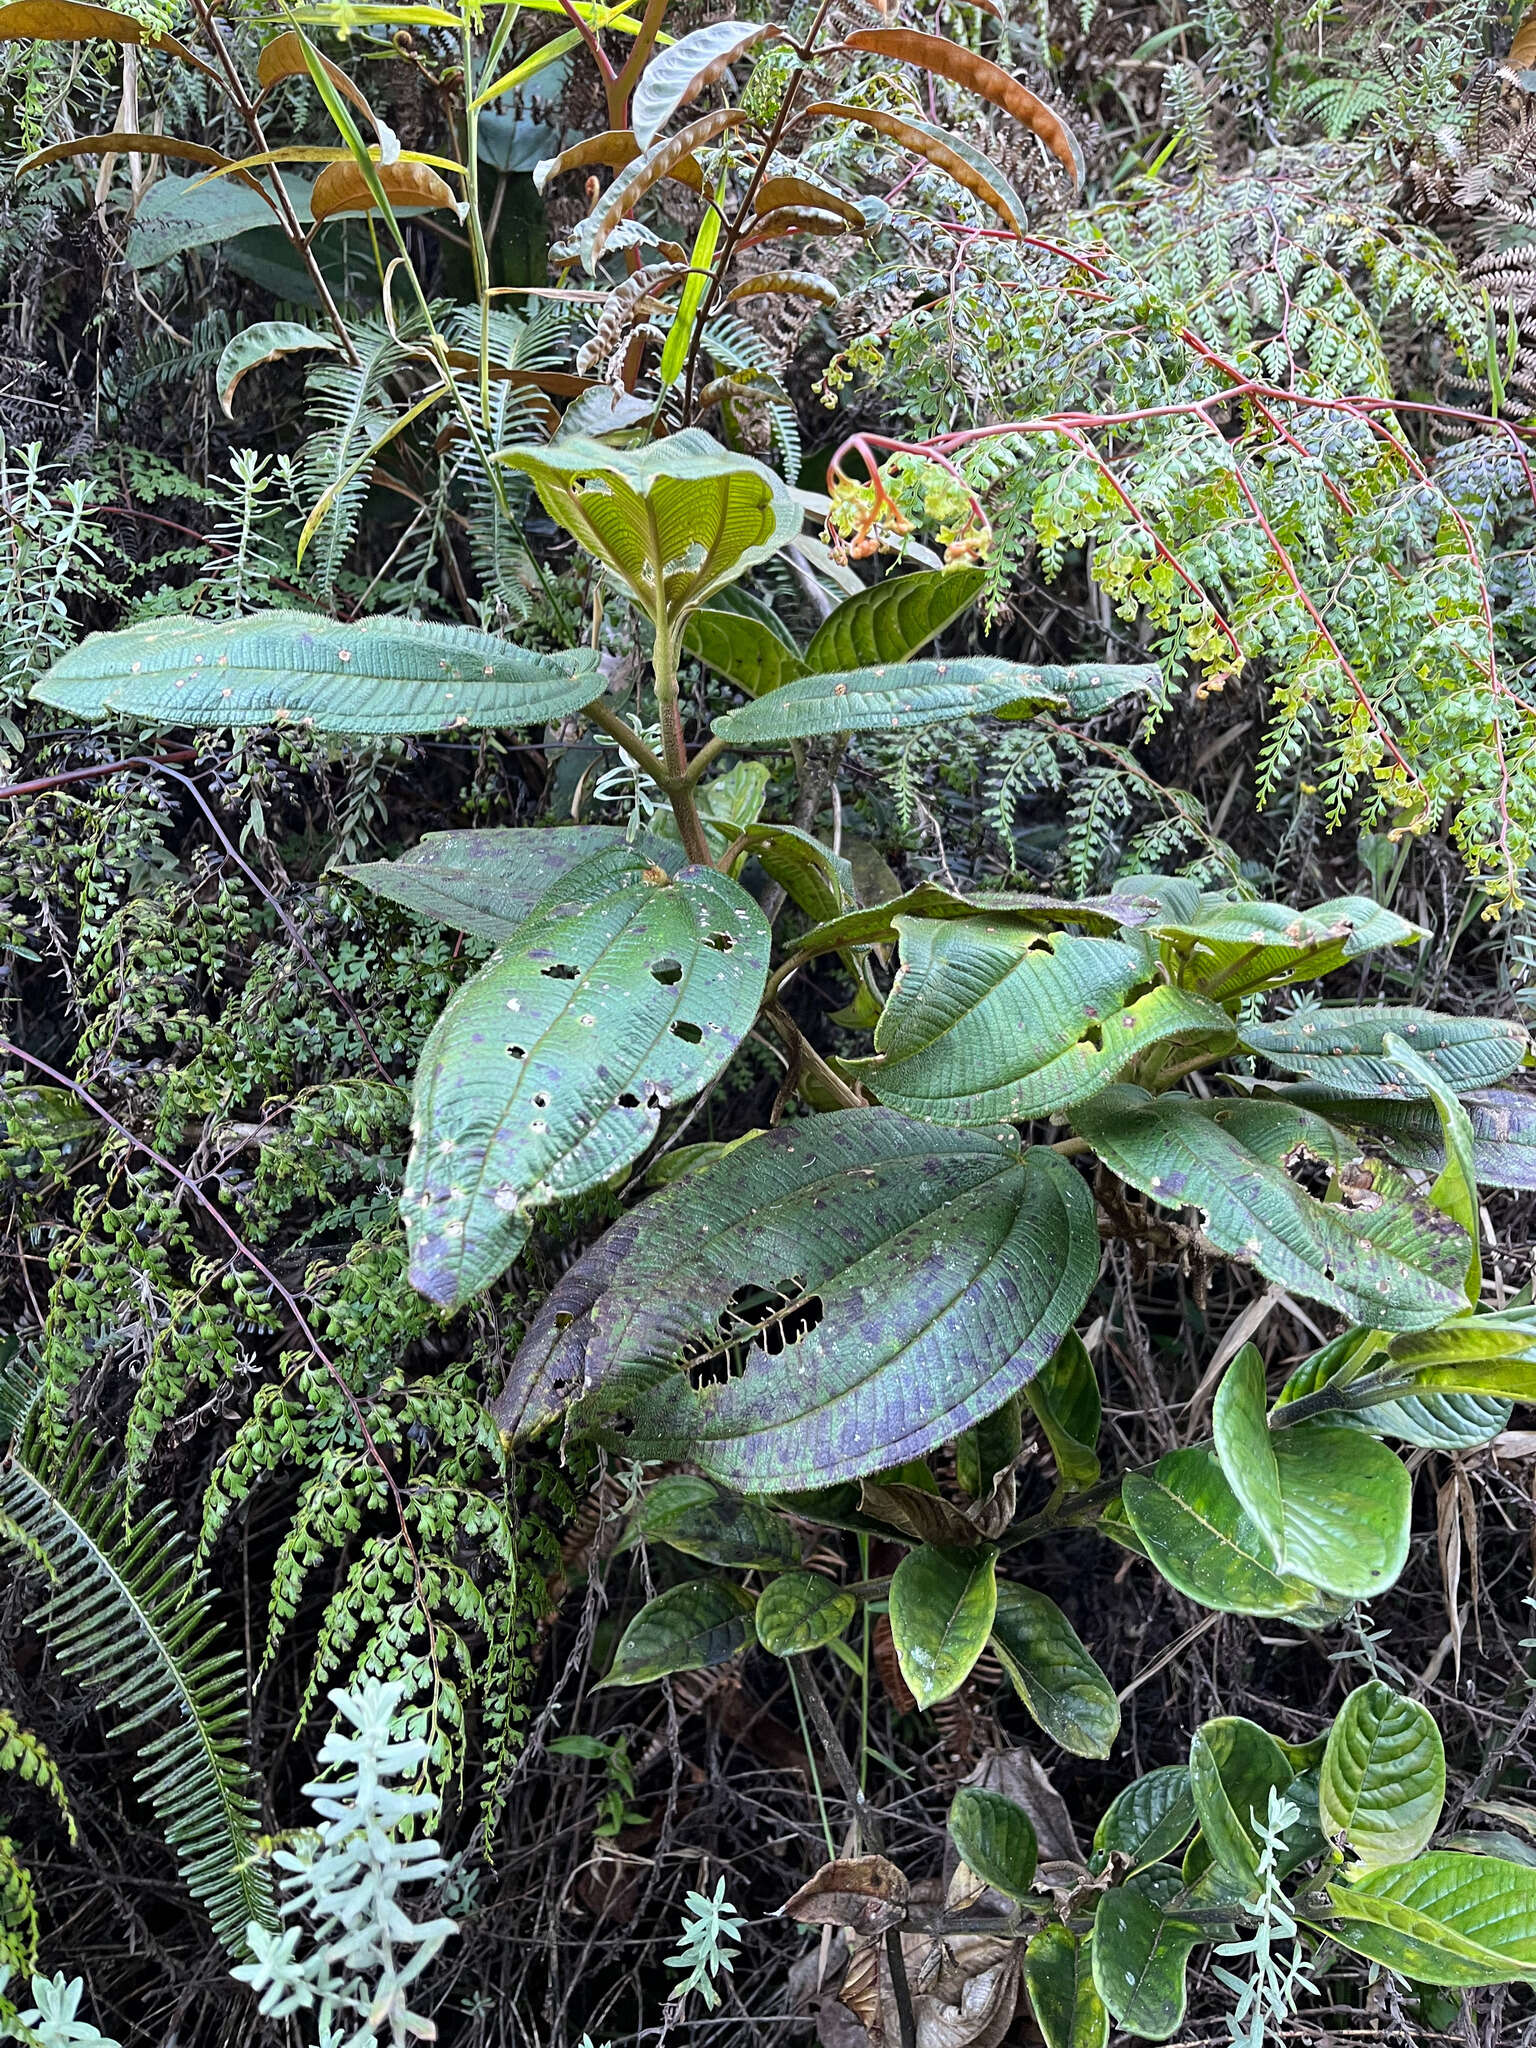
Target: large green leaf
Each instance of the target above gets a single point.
(1227, 949)
(490, 882)
(1233, 1765)
(1436, 1421)
(742, 649)
(674, 520)
(1140, 1949)
(995, 1839)
(1383, 1776)
(876, 924)
(1194, 1530)
(1345, 1050)
(900, 697)
(375, 676)
(1444, 1918)
(1455, 1188)
(840, 1295)
(801, 1611)
(1396, 1264)
(1058, 1972)
(1066, 1404)
(688, 1628)
(1149, 1820)
(990, 1019)
(942, 1606)
(1052, 1673)
(1503, 1130)
(1245, 1447)
(893, 619)
(625, 992)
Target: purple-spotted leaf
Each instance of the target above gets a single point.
(841, 1295)
(626, 991)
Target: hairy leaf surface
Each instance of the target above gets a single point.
(1345, 1050)
(899, 697)
(489, 882)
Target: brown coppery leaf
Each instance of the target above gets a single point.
(1522, 51)
(657, 163)
(888, 1665)
(948, 153)
(73, 21)
(801, 190)
(792, 284)
(797, 220)
(925, 1517)
(341, 188)
(865, 1894)
(617, 149)
(979, 75)
(283, 57)
(124, 143)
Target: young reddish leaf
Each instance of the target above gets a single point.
(791, 284)
(122, 143)
(948, 153)
(781, 189)
(979, 75)
(633, 183)
(283, 58)
(798, 220)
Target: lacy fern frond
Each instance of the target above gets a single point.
(124, 1617)
(352, 409)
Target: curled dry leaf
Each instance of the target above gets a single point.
(792, 284)
(617, 149)
(342, 188)
(123, 143)
(657, 163)
(865, 1894)
(980, 76)
(283, 58)
(964, 1989)
(947, 153)
(782, 189)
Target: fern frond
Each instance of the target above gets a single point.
(18, 1918)
(23, 1754)
(123, 1617)
(353, 409)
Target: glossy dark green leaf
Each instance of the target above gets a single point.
(942, 1606)
(1233, 1766)
(995, 1838)
(1444, 1918)
(988, 1448)
(1345, 1049)
(1149, 1820)
(1503, 1130)
(1227, 949)
(1052, 1672)
(742, 649)
(1382, 1783)
(899, 697)
(813, 877)
(1347, 1502)
(698, 1519)
(489, 882)
(1058, 1974)
(843, 1293)
(376, 676)
(688, 1628)
(1065, 1399)
(802, 1611)
(1140, 1950)
(1245, 1449)
(1193, 1528)
(1394, 1264)
(674, 520)
(549, 1071)
(891, 620)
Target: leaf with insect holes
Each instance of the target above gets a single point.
(1391, 1261)
(1383, 1776)
(375, 677)
(1140, 1950)
(678, 74)
(1058, 1973)
(674, 521)
(1245, 1447)
(842, 1294)
(1233, 1766)
(901, 697)
(266, 342)
(990, 1020)
(691, 1627)
(801, 1611)
(995, 1838)
(1052, 1673)
(489, 882)
(625, 992)
(946, 151)
(942, 1607)
(1444, 1918)
(1227, 949)
(978, 75)
(1344, 1050)
(892, 620)
(1150, 1820)
(1503, 1130)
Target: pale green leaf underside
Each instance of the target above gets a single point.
(1225, 948)
(742, 649)
(1396, 1265)
(893, 697)
(946, 1267)
(489, 882)
(549, 1071)
(374, 678)
(1343, 1049)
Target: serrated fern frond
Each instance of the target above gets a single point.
(352, 410)
(124, 1617)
